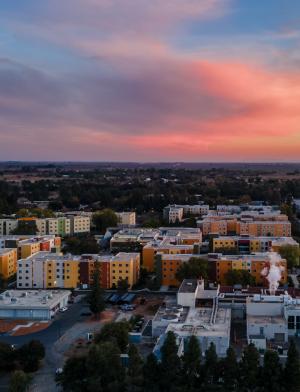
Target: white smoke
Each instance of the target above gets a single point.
(273, 272)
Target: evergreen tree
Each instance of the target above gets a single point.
(271, 374)
(152, 374)
(74, 376)
(230, 371)
(135, 369)
(19, 381)
(211, 367)
(105, 370)
(95, 298)
(170, 363)
(116, 332)
(192, 363)
(250, 369)
(292, 369)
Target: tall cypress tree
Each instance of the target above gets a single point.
(292, 369)
(271, 374)
(135, 369)
(249, 369)
(95, 298)
(192, 363)
(152, 374)
(230, 371)
(211, 367)
(170, 363)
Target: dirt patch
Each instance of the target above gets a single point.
(149, 307)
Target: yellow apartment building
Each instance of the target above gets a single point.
(125, 266)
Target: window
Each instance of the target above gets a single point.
(291, 322)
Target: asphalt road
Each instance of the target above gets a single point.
(48, 336)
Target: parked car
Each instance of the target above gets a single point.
(63, 309)
(127, 307)
(85, 313)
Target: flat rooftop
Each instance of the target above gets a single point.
(31, 298)
(188, 286)
(263, 320)
(3, 251)
(198, 323)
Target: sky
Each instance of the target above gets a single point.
(159, 80)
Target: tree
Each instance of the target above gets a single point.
(170, 362)
(7, 357)
(195, 268)
(74, 375)
(19, 381)
(249, 368)
(291, 254)
(26, 227)
(211, 365)
(192, 362)
(123, 285)
(271, 375)
(152, 374)
(135, 369)
(30, 354)
(95, 297)
(104, 219)
(292, 369)
(230, 371)
(80, 245)
(105, 370)
(242, 277)
(117, 332)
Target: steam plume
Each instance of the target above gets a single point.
(273, 272)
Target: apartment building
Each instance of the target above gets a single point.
(153, 248)
(124, 266)
(253, 263)
(8, 262)
(126, 218)
(132, 239)
(7, 226)
(61, 225)
(47, 270)
(176, 212)
(167, 265)
(254, 224)
(249, 244)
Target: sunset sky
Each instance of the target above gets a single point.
(150, 80)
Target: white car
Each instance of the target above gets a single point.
(63, 309)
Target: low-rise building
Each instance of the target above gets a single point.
(210, 323)
(126, 218)
(33, 304)
(272, 319)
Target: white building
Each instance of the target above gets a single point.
(7, 226)
(33, 304)
(126, 218)
(272, 318)
(209, 324)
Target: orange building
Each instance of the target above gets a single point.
(167, 265)
(153, 248)
(254, 264)
(8, 262)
